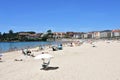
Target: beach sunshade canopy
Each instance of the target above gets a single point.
(44, 56)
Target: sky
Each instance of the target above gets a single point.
(59, 15)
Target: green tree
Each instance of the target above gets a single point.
(45, 37)
(10, 31)
(49, 34)
(10, 35)
(49, 31)
(0, 36)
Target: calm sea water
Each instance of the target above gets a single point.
(7, 46)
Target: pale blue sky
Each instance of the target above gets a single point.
(59, 15)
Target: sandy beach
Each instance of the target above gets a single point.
(72, 63)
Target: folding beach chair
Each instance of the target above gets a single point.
(45, 65)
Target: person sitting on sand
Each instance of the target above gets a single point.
(41, 47)
(54, 48)
(60, 47)
(71, 44)
(1, 56)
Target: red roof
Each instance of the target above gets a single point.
(115, 30)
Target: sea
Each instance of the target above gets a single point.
(11, 46)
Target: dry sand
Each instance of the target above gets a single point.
(75, 63)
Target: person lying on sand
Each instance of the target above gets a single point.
(27, 52)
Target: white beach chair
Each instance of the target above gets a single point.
(45, 65)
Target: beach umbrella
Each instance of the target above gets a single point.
(44, 56)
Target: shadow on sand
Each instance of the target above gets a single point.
(1, 61)
(49, 68)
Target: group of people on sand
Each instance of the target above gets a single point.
(29, 53)
(75, 43)
(26, 52)
(59, 47)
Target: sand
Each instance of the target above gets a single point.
(72, 63)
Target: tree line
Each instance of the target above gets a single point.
(11, 36)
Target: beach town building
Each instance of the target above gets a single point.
(115, 33)
(90, 34)
(58, 35)
(33, 36)
(105, 34)
(96, 35)
(69, 34)
(29, 35)
(77, 35)
(84, 36)
(43, 34)
(23, 34)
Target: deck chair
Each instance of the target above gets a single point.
(45, 65)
